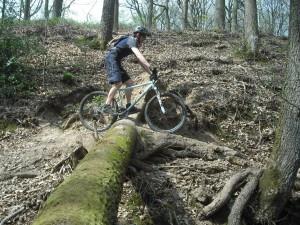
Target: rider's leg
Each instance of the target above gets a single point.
(128, 93)
(112, 92)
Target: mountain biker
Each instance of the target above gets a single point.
(117, 76)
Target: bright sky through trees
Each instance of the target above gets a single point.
(90, 10)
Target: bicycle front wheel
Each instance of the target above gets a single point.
(91, 112)
(174, 116)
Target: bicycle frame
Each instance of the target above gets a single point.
(150, 85)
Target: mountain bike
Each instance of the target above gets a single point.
(163, 112)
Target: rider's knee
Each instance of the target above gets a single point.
(129, 83)
(117, 85)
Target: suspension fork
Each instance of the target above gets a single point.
(162, 108)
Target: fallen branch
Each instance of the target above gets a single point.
(73, 159)
(12, 215)
(67, 124)
(6, 176)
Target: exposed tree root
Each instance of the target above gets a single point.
(164, 204)
(235, 215)
(179, 146)
(224, 196)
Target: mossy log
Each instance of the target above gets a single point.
(92, 193)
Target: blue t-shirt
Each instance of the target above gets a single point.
(124, 47)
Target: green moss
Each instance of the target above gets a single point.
(243, 51)
(268, 186)
(135, 207)
(87, 42)
(91, 194)
(6, 125)
(68, 78)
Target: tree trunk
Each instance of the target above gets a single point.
(46, 9)
(234, 16)
(57, 8)
(27, 10)
(92, 193)
(185, 11)
(168, 16)
(251, 26)
(277, 180)
(107, 22)
(220, 15)
(150, 15)
(3, 9)
(116, 16)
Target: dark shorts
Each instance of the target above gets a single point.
(114, 69)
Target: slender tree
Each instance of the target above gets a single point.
(234, 27)
(57, 8)
(27, 10)
(185, 11)
(168, 22)
(220, 15)
(116, 16)
(251, 26)
(150, 15)
(3, 9)
(107, 22)
(46, 9)
(279, 177)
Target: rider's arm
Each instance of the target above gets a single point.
(144, 63)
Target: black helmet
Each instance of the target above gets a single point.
(141, 30)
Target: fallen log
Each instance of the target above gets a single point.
(92, 192)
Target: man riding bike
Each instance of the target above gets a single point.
(117, 76)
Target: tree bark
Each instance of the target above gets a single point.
(150, 15)
(280, 175)
(220, 15)
(107, 22)
(46, 9)
(235, 16)
(116, 16)
(185, 11)
(251, 26)
(27, 10)
(3, 9)
(92, 193)
(57, 8)
(168, 16)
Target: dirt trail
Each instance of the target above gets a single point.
(35, 152)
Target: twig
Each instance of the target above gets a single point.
(12, 215)
(7, 176)
(260, 135)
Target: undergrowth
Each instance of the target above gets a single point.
(15, 78)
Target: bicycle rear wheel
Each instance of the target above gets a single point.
(170, 121)
(91, 112)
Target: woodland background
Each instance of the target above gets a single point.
(235, 63)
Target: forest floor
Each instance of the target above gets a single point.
(235, 99)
